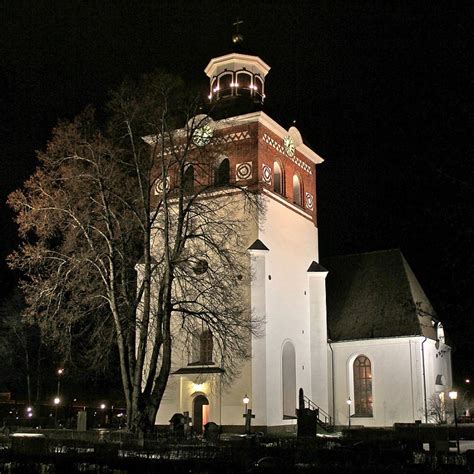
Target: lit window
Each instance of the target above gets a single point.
(363, 386)
(277, 179)
(296, 190)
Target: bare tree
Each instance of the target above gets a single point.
(437, 409)
(128, 240)
(21, 349)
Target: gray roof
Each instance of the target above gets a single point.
(375, 295)
(315, 267)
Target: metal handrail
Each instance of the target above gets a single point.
(327, 417)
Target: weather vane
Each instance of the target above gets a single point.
(237, 36)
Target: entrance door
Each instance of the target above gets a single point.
(200, 412)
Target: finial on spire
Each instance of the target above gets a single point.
(237, 36)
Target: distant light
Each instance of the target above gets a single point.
(453, 395)
(198, 387)
(349, 401)
(29, 409)
(102, 406)
(60, 371)
(30, 415)
(57, 401)
(467, 380)
(246, 400)
(209, 96)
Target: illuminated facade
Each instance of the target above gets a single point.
(374, 346)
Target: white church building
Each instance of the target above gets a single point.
(356, 333)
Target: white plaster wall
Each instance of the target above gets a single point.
(292, 241)
(437, 362)
(397, 381)
(284, 301)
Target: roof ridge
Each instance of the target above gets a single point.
(369, 252)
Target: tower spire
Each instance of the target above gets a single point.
(237, 37)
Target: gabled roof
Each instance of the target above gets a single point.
(375, 295)
(258, 245)
(315, 267)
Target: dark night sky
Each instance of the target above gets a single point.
(379, 89)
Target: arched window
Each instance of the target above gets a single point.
(297, 190)
(188, 178)
(205, 347)
(362, 386)
(244, 82)
(277, 178)
(258, 83)
(225, 82)
(288, 373)
(222, 173)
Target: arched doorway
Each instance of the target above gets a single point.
(200, 412)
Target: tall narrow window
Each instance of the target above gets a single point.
(277, 179)
(225, 82)
(244, 83)
(288, 373)
(258, 85)
(362, 386)
(188, 178)
(222, 173)
(296, 190)
(205, 347)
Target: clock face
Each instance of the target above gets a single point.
(289, 145)
(203, 135)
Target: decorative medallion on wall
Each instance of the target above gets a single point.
(203, 135)
(267, 174)
(244, 170)
(289, 145)
(309, 200)
(159, 185)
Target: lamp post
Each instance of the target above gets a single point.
(247, 415)
(56, 401)
(453, 395)
(349, 403)
(246, 401)
(59, 373)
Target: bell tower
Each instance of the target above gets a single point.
(287, 289)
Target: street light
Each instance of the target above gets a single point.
(59, 372)
(453, 395)
(246, 401)
(56, 401)
(349, 403)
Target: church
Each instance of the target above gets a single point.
(356, 333)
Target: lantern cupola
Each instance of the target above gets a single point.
(237, 75)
